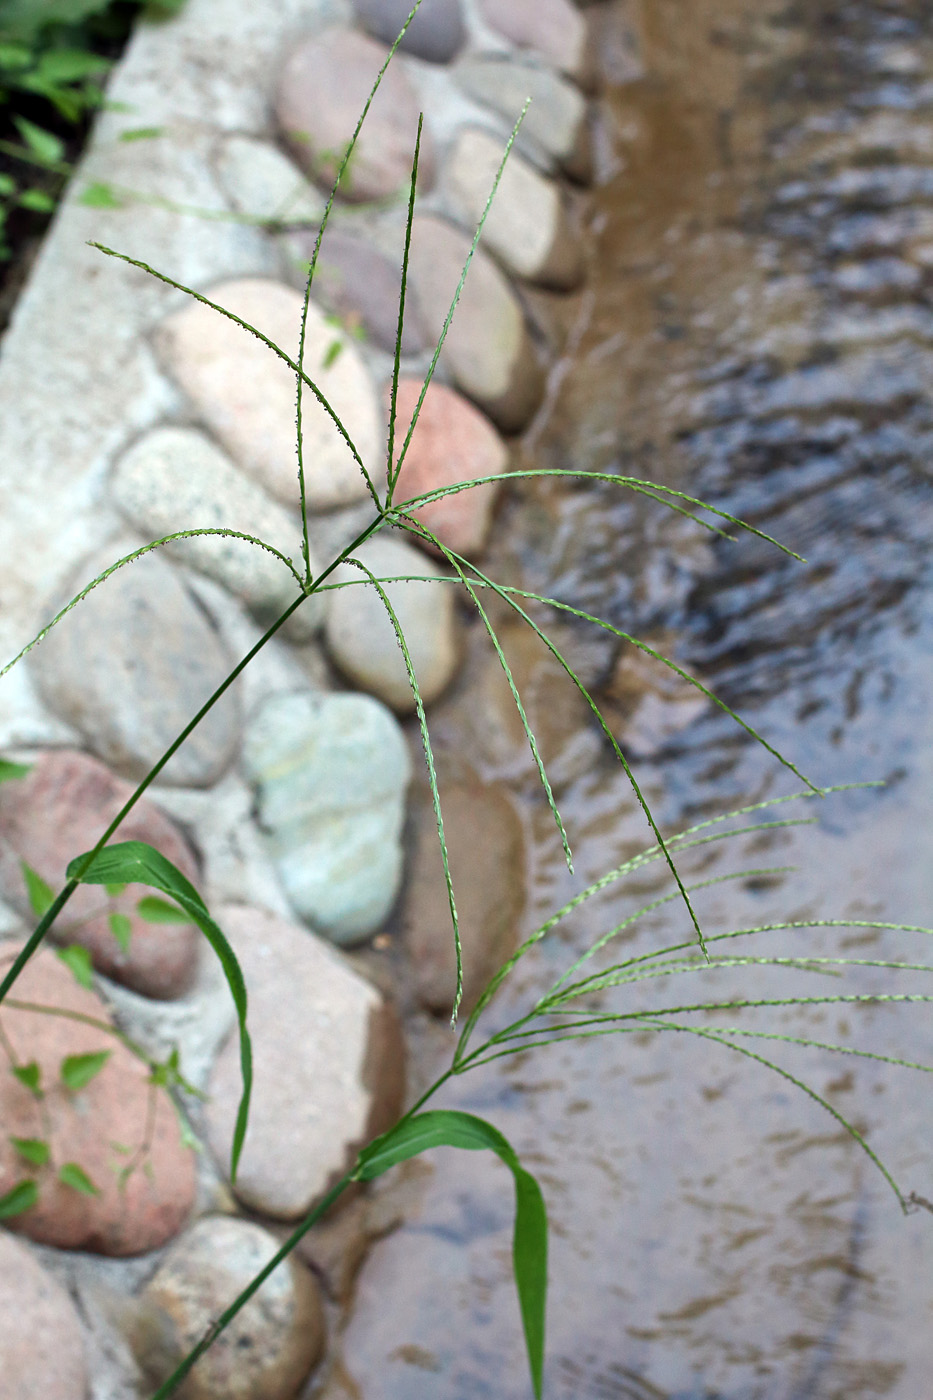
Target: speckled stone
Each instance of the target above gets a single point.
(436, 33)
(321, 91)
(331, 773)
(262, 183)
(555, 125)
(246, 395)
(41, 1341)
(328, 1061)
(359, 284)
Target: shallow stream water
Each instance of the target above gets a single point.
(756, 330)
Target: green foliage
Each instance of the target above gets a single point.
(30, 1076)
(23, 1195)
(122, 929)
(70, 1174)
(35, 1151)
(77, 1071)
(41, 895)
(78, 960)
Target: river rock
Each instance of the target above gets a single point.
(452, 442)
(262, 183)
(487, 865)
(100, 1127)
(331, 773)
(246, 394)
(554, 29)
(41, 1341)
(488, 351)
(436, 33)
(177, 479)
(361, 638)
(528, 227)
(328, 1062)
(322, 89)
(554, 126)
(360, 285)
(58, 812)
(131, 665)
(270, 1347)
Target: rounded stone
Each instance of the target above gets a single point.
(488, 351)
(452, 442)
(328, 1060)
(331, 773)
(361, 637)
(41, 1340)
(246, 395)
(274, 1342)
(178, 479)
(359, 284)
(436, 33)
(554, 29)
(527, 227)
(118, 1128)
(262, 183)
(554, 126)
(59, 811)
(130, 666)
(322, 89)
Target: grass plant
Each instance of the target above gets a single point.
(588, 999)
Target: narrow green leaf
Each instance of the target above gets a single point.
(99, 195)
(78, 959)
(7, 186)
(23, 1195)
(32, 1150)
(159, 911)
(448, 1128)
(44, 144)
(41, 895)
(8, 769)
(79, 1070)
(142, 133)
(71, 65)
(70, 1174)
(39, 201)
(121, 926)
(134, 862)
(332, 354)
(29, 1075)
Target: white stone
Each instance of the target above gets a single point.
(263, 184)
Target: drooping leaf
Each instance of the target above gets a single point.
(33, 1150)
(134, 862)
(41, 895)
(78, 1070)
(159, 911)
(70, 1174)
(45, 144)
(449, 1128)
(23, 1195)
(29, 1075)
(121, 927)
(78, 960)
(9, 769)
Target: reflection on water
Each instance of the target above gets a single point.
(758, 331)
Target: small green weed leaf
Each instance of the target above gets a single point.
(121, 927)
(447, 1128)
(114, 890)
(70, 1174)
(78, 960)
(332, 354)
(30, 1075)
(41, 895)
(134, 862)
(45, 144)
(7, 186)
(70, 65)
(99, 195)
(79, 1070)
(33, 1150)
(159, 911)
(39, 201)
(122, 1148)
(8, 769)
(23, 1195)
(142, 133)
(13, 56)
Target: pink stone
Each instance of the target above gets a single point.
(41, 1344)
(555, 29)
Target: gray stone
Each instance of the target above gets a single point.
(177, 479)
(360, 285)
(323, 87)
(360, 635)
(132, 664)
(328, 1063)
(555, 29)
(436, 33)
(262, 183)
(488, 351)
(271, 1346)
(554, 125)
(332, 772)
(246, 394)
(527, 227)
(41, 1342)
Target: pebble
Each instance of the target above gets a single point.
(178, 479)
(452, 442)
(246, 395)
(554, 126)
(322, 89)
(273, 1343)
(100, 1126)
(554, 29)
(131, 665)
(332, 773)
(361, 285)
(328, 1066)
(487, 865)
(528, 227)
(262, 183)
(436, 33)
(41, 1341)
(488, 351)
(58, 812)
(361, 638)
